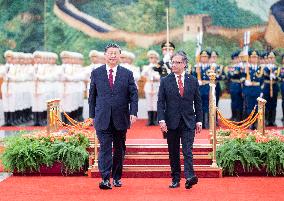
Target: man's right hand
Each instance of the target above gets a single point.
(199, 82)
(248, 83)
(163, 126)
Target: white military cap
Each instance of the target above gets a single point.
(8, 53)
(152, 52)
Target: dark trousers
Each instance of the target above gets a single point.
(108, 163)
(186, 136)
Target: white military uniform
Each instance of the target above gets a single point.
(151, 87)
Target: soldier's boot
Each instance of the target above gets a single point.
(273, 118)
(155, 118)
(26, 115)
(13, 118)
(238, 116)
(45, 118)
(80, 114)
(7, 119)
(63, 118)
(149, 118)
(206, 120)
(233, 118)
(21, 116)
(267, 118)
(42, 118)
(36, 118)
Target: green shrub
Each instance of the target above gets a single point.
(251, 154)
(24, 154)
(27, 153)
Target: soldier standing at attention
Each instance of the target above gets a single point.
(164, 67)
(151, 87)
(253, 81)
(235, 87)
(281, 79)
(270, 89)
(220, 75)
(201, 72)
(5, 88)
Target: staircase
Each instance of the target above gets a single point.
(152, 161)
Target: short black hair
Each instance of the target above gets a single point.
(114, 45)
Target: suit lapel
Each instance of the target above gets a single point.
(186, 84)
(174, 85)
(105, 77)
(117, 77)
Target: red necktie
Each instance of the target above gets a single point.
(110, 78)
(180, 85)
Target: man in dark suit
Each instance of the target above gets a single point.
(180, 116)
(113, 104)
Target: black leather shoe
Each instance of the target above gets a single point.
(105, 184)
(190, 182)
(117, 183)
(174, 184)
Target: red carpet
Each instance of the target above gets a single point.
(83, 188)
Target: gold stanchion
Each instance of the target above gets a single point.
(212, 117)
(261, 112)
(96, 152)
(52, 112)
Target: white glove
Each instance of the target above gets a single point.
(166, 58)
(272, 76)
(199, 82)
(248, 83)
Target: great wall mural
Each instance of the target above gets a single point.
(272, 31)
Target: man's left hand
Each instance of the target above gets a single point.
(198, 128)
(133, 119)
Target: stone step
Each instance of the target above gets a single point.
(160, 171)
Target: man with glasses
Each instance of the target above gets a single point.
(180, 116)
(113, 104)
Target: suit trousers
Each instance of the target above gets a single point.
(186, 136)
(107, 163)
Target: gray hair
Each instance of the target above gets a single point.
(183, 55)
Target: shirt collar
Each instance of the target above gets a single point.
(182, 75)
(114, 69)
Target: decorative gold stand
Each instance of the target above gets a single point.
(53, 108)
(212, 116)
(261, 112)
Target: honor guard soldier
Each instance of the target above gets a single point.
(151, 86)
(281, 79)
(253, 81)
(97, 60)
(127, 61)
(220, 74)
(235, 87)
(270, 89)
(201, 72)
(164, 67)
(72, 84)
(5, 88)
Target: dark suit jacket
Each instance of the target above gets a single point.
(119, 102)
(172, 107)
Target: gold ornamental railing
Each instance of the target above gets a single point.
(237, 126)
(54, 123)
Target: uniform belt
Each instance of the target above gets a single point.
(235, 80)
(205, 82)
(153, 80)
(255, 83)
(268, 81)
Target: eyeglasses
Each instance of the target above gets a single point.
(176, 62)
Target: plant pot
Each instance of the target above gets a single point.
(239, 170)
(55, 170)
